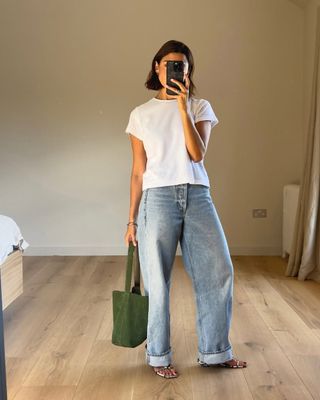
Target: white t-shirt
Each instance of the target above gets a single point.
(158, 124)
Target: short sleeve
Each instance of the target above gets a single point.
(134, 126)
(205, 112)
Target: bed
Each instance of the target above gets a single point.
(12, 245)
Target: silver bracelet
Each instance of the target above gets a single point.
(132, 223)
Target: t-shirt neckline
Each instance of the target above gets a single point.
(163, 101)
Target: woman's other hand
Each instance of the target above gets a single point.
(130, 235)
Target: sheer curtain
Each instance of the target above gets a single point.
(305, 249)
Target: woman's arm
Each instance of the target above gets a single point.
(138, 167)
(196, 136)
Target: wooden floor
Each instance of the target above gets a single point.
(58, 336)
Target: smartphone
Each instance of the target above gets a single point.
(175, 70)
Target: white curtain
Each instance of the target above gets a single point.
(305, 249)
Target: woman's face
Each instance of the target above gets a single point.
(161, 68)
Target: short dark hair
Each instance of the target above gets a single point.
(171, 46)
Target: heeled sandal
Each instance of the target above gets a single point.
(160, 370)
(225, 364)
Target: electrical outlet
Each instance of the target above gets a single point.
(259, 213)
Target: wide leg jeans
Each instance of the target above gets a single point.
(185, 213)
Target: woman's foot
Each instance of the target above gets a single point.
(233, 363)
(166, 372)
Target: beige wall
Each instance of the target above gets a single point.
(72, 71)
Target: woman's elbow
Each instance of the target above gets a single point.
(198, 157)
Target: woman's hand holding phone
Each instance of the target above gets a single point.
(177, 82)
(182, 93)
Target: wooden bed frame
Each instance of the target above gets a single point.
(11, 278)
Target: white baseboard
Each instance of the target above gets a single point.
(123, 250)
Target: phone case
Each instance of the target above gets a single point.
(175, 70)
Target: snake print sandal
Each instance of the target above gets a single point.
(225, 364)
(161, 371)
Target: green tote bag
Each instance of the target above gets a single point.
(130, 309)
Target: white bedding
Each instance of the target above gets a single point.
(10, 238)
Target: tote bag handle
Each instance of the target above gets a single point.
(133, 253)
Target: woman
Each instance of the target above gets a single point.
(169, 202)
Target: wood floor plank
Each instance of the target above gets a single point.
(303, 299)
(297, 341)
(45, 393)
(316, 332)
(58, 335)
(109, 373)
(269, 372)
(292, 333)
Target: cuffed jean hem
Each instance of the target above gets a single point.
(159, 361)
(216, 358)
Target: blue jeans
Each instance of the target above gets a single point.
(185, 213)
